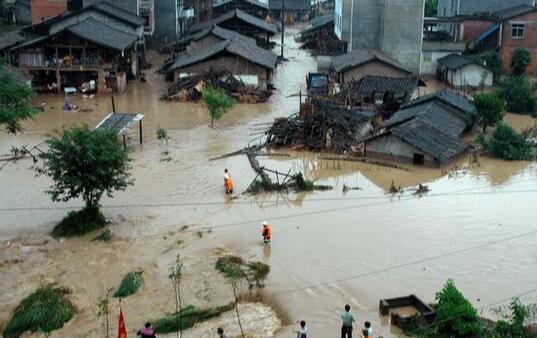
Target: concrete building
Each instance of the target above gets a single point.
(393, 27)
(460, 72)
(449, 8)
(434, 50)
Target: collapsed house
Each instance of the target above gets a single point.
(244, 24)
(319, 37)
(363, 61)
(321, 126)
(100, 45)
(425, 131)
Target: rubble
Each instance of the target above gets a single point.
(321, 126)
(190, 88)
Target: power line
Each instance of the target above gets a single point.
(398, 266)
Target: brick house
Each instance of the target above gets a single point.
(518, 29)
(44, 9)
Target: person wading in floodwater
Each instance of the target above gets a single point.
(266, 232)
(347, 319)
(302, 331)
(147, 331)
(228, 182)
(220, 333)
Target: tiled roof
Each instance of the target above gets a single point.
(448, 97)
(120, 13)
(242, 16)
(513, 12)
(290, 5)
(222, 33)
(321, 20)
(455, 61)
(361, 56)
(419, 133)
(10, 38)
(398, 86)
(101, 34)
(252, 2)
(234, 46)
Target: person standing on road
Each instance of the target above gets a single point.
(302, 331)
(228, 182)
(347, 320)
(220, 332)
(266, 232)
(367, 331)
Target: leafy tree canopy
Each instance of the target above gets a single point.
(85, 163)
(14, 101)
(489, 108)
(520, 61)
(218, 103)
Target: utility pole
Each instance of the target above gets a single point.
(283, 26)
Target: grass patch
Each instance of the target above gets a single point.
(189, 316)
(235, 267)
(78, 223)
(45, 310)
(105, 236)
(130, 284)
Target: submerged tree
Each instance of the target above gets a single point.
(520, 61)
(518, 93)
(103, 313)
(14, 101)
(176, 273)
(218, 103)
(489, 108)
(88, 164)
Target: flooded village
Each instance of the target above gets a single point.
(389, 146)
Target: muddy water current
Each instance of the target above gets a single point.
(477, 225)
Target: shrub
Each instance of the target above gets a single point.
(493, 62)
(45, 310)
(78, 223)
(230, 266)
(520, 61)
(455, 316)
(190, 315)
(217, 102)
(518, 93)
(303, 184)
(162, 135)
(259, 270)
(105, 236)
(507, 144)
(130, 284)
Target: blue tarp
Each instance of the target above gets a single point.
(488, 33)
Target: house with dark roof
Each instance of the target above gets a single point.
(253, 7)
(243, 23)
(461, 72)
(363, 61)
(426, 131)
(383, 89)
(245, 60)
(294, 10)
(213, 35)
(101, 44)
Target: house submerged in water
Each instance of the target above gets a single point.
(425, 131)
(99, 44)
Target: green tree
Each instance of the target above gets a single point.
(218, 103)
(455, 316)
(431, 8)
(518, 93)
(507, 144)
(14, 101)
(520, 61)
(85, 163)
(493, 62)
(489, 108)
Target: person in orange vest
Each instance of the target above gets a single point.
(267, 232)
(228, 182)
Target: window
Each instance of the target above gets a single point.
(427, 57)
(517, 30)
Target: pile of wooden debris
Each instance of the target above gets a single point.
(321, 126)
(190, 88)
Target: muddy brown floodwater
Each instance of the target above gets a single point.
(477, 225)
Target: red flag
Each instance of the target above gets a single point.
(122, 329)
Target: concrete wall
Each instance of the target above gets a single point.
(342, 21)
(390, 147)
(166, 22)
(448, 8)
(22, 13)
(471, 75)
(236, 65)
(366, 24)
(402, 32)
(429, 61)
(528, 41)
(42, 9)
(371, 68)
